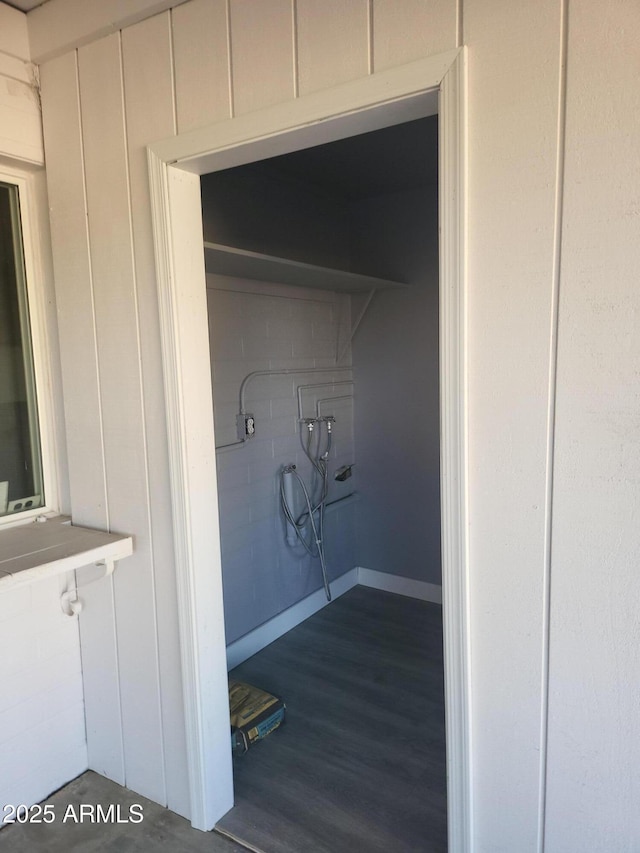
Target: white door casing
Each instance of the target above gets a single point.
(424, 87)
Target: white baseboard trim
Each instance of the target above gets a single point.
(260, 637)
(401, 586)
(255, 640)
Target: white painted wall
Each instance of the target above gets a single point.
(42, 736)
(594, 690)
(20, 124)
(114, 401)
(119, 93)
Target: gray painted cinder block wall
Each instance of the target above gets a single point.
(275, 327)
(395, 357)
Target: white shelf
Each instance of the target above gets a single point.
(240, 263)
(41, 549)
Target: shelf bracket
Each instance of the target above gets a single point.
(355, 326)
(71, 602)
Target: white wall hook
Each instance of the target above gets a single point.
(109, 566)
(70, 603)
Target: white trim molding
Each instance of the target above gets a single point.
(399, 585)
(189, 406)
(251, 643)
(452, 150)
(265, 634)
(39, 284)
(380, 100)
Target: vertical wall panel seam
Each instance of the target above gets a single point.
(551, 419)
(104, 475)
(97, 356)
(147, 487)
(370, 24)
(463, 231)
(294, 37)
(459, 24)
(172, 66)
(232, 105)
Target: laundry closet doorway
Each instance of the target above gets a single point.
(381, 100)
(322, 289)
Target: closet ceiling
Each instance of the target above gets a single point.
(394, 159)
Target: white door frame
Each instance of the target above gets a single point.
(435, 84)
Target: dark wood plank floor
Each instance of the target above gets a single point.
(360, 764)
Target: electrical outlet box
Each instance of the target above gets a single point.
(246, 425)
(30, 502)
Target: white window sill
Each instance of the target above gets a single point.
(42, 549)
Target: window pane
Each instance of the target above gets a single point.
(20, 462)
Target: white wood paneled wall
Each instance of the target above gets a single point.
(188, 67)
(42, 735)
(201, 63)
(413, 29)
(594, 684)
(540, 524)
(262, 54)
(150, 111)
(331, 47)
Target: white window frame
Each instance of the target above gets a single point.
(32, 199)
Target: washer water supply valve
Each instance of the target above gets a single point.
(246, 426)
(307, 527)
